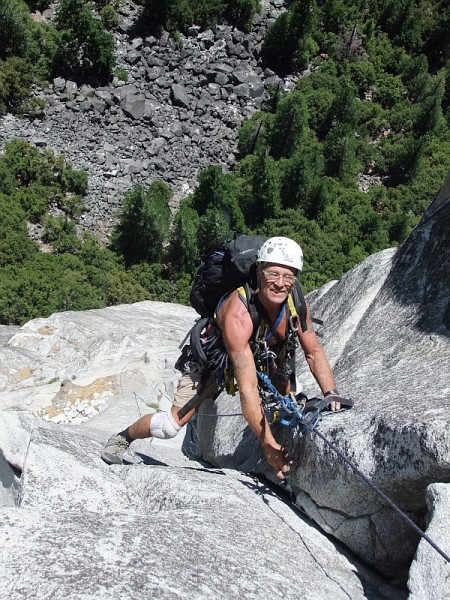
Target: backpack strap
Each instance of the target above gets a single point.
(197, 353)
(297, 305)
(246, 293)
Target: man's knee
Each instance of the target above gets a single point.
(163, 426)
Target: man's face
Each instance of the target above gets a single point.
(276, 282)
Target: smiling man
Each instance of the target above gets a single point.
(246, 345)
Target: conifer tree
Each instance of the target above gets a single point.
(144, 224)
(340, 154)
(184, 248)
(265, 189)
(216, 190)
(289, 126)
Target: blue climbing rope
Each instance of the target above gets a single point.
(292, 411)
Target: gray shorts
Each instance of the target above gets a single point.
(187, 388)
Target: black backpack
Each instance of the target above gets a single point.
(229, 264)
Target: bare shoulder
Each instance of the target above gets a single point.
(235, 322)
(309, 323)
(308, 336)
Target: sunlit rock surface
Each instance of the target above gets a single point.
(386, 332)
(163, 525)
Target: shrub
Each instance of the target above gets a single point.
(241, 12)
(28, 165)
(14, 31)
(86, 49)
(121, 74)
(15, 246)
(33, 200)
(179, 15)
(57, 227)
(109, 16)
(16, 77)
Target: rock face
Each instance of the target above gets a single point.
(178, 111)
(91, 357)
(386, 333)
(159, 526)
(205, 527)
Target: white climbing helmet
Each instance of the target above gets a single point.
(282, 251)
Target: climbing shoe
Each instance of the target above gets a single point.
(114, 450)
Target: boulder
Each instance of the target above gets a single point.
(429, 573)
(125, 91)
(98, 105)
(133, 57)
(59, 84)
(106, 96)
(179, 96)
(133, 105)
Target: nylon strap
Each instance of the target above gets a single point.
(292, 309)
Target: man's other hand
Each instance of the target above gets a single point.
(278, 459)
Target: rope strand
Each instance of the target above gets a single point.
(304, 422)
(388, 501)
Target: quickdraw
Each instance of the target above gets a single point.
(295, 411)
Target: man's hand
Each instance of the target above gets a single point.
(334, 405)
(337, 402)
(278, 459)
(333, 398)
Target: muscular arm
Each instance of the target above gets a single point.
(316, 358)
(237, 328)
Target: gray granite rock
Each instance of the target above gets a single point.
(210, 81)
(386, 333)
(429, 576)
(161, 527)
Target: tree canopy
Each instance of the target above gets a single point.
(345, 164)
